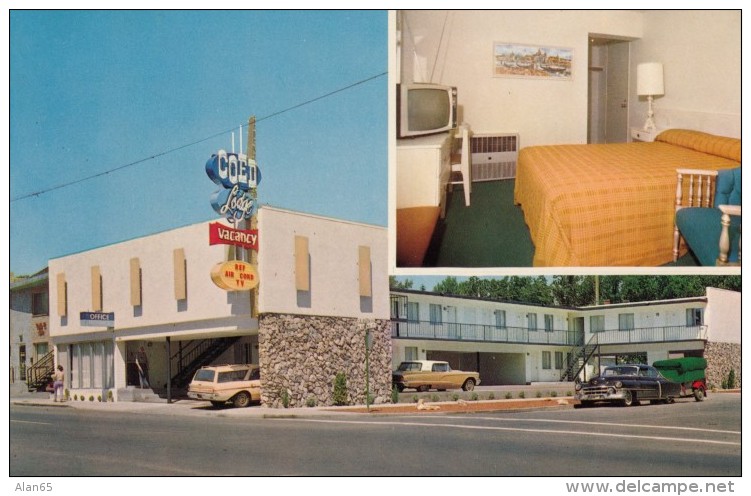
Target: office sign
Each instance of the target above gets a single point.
(235, 275)
(98, 319)
(221, 234)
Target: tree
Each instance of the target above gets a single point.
(394, 283)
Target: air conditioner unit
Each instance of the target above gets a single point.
(494, 156)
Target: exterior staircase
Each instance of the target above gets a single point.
(39, 374)
(194, 356)
(578, 358)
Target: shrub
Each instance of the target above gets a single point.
(539, 394)
(110, 396)
(67, 394)
(569, 393)
(99, 398)
(311, 402)
(521, 394)
(284, 395)
(82, 398)
(731, 379)
(340, 389)
(508, 395)
(473, 397)
(415, 399)
(455, 397)
(91, 398)
(434, 398)
(553, 394)
(491, 396)
(394, 395)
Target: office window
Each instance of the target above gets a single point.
(532, 321)
(559, 360)
(40, 303)
(596, 323)
(626, 321)
(413, 311)
(548, 323)
(546, 360)
(436, 315)
(694, 316)
(92, 365)
(500, 319)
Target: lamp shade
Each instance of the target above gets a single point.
(649, 79)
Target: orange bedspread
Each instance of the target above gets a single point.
(611, 205)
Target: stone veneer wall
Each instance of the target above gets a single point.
(302, 354)
(721, 357)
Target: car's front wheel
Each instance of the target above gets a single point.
(699, 394)
(241, 399)
(469, 384)
(629, 398)
(423, 389)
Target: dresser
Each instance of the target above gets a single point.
(422, 171)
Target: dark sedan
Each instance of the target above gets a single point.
(628, 385)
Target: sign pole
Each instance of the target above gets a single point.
(253, 255)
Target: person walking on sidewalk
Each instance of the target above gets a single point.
(58, 377)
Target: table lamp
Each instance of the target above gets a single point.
(649, 82)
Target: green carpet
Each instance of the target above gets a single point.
(489, 233)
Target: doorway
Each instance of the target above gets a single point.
(608, 90)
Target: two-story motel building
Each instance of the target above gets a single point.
(521, 343)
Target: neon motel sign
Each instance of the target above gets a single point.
(238, 178)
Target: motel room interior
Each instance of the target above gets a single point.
(581, 126)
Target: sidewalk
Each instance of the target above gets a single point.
(184, 407)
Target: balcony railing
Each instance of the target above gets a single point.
(523, 335)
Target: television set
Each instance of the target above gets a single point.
(424, 108)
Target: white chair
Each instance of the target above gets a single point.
(462, 165)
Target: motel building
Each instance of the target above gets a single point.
(299, 302)
(512, 343)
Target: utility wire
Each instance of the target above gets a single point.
(181, 147)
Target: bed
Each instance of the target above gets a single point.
(613, 204)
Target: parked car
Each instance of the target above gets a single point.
(424, 375)
(628, 385)
(240, 384)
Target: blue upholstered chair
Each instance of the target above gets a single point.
(708, 218)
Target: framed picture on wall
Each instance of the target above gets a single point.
(532, 61)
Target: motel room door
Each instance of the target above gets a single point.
(608, 90)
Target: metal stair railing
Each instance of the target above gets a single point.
(40, 373)
(578, 357)
(198, 354)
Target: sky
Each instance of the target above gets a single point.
(141, 99)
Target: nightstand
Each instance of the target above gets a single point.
(639, 134)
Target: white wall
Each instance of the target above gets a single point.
(334, 273)
(207, 304)
(701, 53)
(543, 112)
(723, 316)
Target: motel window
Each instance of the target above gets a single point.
(500, 319)
(410, 353)
(40, 303)
(559, 360)
(546, 360)
(548, 323)
(92, 365)
(531, 321)
(436, 315)
(694, 317)
(596, 323)
(626, 321)
(413, 311)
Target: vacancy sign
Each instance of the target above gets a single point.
(221, 234)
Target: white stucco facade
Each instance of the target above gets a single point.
(160, 290)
